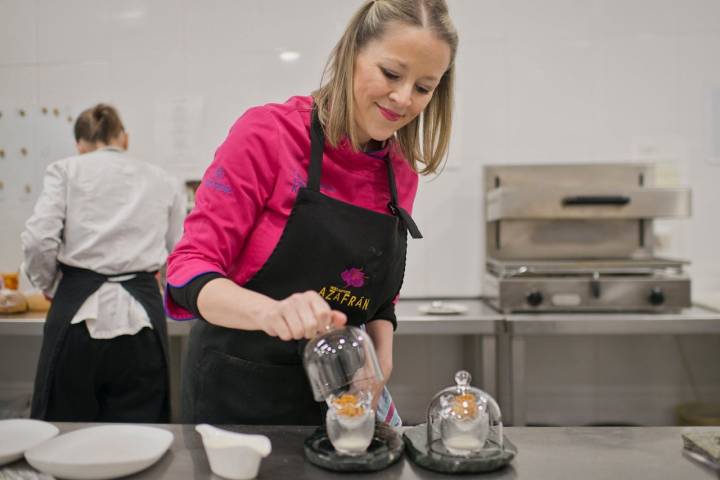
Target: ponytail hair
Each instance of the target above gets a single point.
(100, 123)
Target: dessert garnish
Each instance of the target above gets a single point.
(464, 406)
(348, 405)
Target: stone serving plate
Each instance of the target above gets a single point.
(385, 449)
(486, 461)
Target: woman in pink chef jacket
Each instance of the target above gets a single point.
(301, 220)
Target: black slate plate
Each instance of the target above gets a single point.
(385, 449)
(417, 449)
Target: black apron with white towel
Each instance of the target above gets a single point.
(76, 286)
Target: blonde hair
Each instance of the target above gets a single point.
(424, 141)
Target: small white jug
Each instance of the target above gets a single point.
(233, 455)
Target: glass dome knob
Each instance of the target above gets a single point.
(462, 378)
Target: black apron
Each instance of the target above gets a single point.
(76, 286)
(352, 256)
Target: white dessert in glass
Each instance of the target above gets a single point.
(466, 428)
(350, 423)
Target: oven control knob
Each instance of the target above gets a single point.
(534, 298)
(656, 297)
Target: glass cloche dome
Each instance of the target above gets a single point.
(343, 370)
(464, 420)
(341, 360)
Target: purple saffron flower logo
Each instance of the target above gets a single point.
(353, 277)
(218, 181)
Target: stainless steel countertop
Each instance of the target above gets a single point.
(480, 319)
(590, 453)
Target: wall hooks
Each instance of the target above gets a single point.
(2, 153)
(56, 112)
(23, 151)
(21, 112)
(44, 110)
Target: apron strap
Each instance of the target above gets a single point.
(317, 142)
(394, 205)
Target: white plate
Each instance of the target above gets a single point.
(107, 451)
(438, 307)
(20, 434)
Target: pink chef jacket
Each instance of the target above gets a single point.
(248, 192)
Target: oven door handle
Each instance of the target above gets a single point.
(595, 200)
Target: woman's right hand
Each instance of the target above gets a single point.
(301, 315)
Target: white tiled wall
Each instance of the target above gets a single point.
(549, 81)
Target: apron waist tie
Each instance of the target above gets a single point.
(117, 278)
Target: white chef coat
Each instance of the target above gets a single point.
(107, 212)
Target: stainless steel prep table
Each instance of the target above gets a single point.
(479, 326)
(591, 453)
(511, 346)
(494, 343)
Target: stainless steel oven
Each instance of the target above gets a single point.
(580, 238)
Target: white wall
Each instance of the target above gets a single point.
(550, 81)
(538, 81)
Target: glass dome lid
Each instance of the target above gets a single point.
(342, 361)
(463, 420)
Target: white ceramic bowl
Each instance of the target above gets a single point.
(101, 452)
(20, 434)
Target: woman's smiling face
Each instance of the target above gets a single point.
(394, 80)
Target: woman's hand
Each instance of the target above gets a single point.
(301, 315)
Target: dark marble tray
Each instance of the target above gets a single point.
(417, 449)
(385, 449)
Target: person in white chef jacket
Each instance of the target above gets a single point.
(99, 233)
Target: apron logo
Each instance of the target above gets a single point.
(353, 277)
(344, 297)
